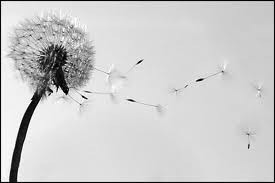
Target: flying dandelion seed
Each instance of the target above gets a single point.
(139, 62)
(249, 130)
(83, 96)
(115, 79)
(158, 107)
(48, 51)
(259, 89)
(113, 95)
(84, 106)
(201, 79)
(177, 91)
(249, 135)
(222, 70)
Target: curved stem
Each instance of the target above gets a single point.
(21, 135)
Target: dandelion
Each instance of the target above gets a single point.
(48, 51)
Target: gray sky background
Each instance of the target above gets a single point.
(199, 137)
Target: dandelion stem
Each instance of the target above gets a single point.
(21, 135)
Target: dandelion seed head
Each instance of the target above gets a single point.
(42, 45)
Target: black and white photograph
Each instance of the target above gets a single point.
(137, 91)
